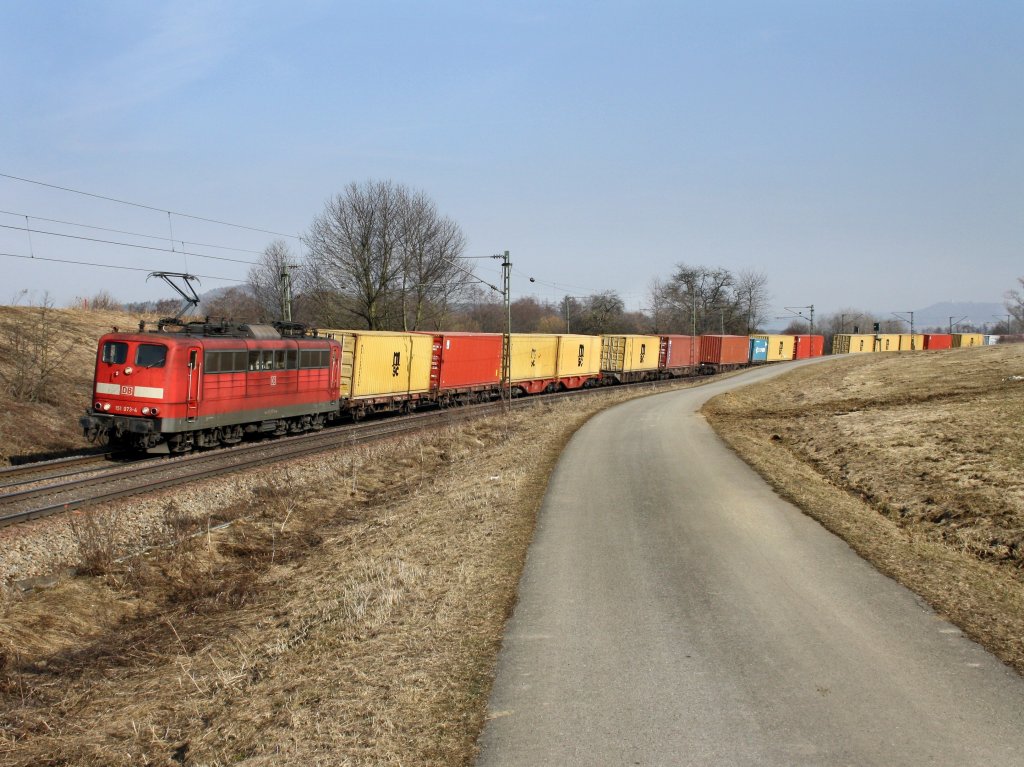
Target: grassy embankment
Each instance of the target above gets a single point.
(917, 461)
(48, 424)
(352, 613)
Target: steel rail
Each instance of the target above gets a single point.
(145, 478)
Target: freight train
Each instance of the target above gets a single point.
(202, 384)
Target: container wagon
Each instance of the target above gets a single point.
(579, 361)
(967, 339)
(383, 371)
(911, 342)
(779, 347)
(853, 343)
(534, 360)
(678, 356)
(630, 358)
(719, 353)
(938, 341)
(887, 342)
(465, 367)
(806, 346)
(758, 350)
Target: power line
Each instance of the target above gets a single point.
(148, 207)
(132, 234)
(110, 266)
(124, 244)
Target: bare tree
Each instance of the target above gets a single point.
(752, 298)
(431, 276)
(598, 314)
(234, 303)
(33, 352)
(382, 254)
(1015, 306)
(705, 299)
(353, 253)
(266, 279)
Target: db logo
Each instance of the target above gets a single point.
(128, 391)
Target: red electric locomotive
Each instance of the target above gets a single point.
(203, 385)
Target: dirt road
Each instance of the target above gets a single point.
(674, 610)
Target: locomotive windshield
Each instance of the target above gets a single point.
(150, 356)
(115, 352)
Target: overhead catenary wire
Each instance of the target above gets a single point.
(148, 207)
(110, 266)
(27, 217)
(125, 244)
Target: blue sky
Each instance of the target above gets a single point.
(862, 154)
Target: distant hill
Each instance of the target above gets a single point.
(977, 314)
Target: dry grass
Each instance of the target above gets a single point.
(915, 460)
(51, 426)
(351, 617)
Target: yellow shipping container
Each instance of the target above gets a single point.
(910, 342)
(533, 356)
(887, 342)
(378, 363)
(578, 355)
(627, 354)
(853, 343)
(779, 347)
(967, 339)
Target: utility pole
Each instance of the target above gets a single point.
(506, 341)
(793, 310)
(913, 341)
(567, 314)
(286, 292)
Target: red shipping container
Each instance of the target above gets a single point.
(938, 341)
(678, 352)
(464, 360)
(808, 346)
(724, 350)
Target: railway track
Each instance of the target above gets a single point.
(59, 492)
(53, 497)
(12, 476)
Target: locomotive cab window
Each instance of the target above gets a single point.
(115, 352)
(314, 358)
(151, 356)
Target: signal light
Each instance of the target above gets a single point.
(98, 406)
(145, 411)
(106, 406)
(153, 411)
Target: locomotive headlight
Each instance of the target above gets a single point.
(153, 411)
(145, 411)
(98, 406)
(106, 406)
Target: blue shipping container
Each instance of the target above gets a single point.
(758, 349)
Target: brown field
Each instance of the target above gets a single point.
(351, 615)
(352, 612)
(50, 424)
(917, 461)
